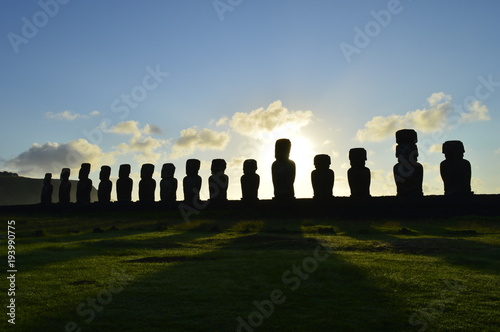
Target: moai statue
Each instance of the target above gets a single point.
(168, 184)
(64, 186)
(408, 173)
(250, 181)
(147, 185)
(455, 170)
(124, 184)
(283, 171)
(358, 175)
(192, 182)
(84, 186)
(105, 185)
(322, 177)
(47, 189)
(218, 181)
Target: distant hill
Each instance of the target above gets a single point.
(18, 190)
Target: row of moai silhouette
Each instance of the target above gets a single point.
(408, 175)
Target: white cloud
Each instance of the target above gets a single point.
(275, 117)
(436, 117)
(52, 157)
(143, 147)
(477, 112)
(69, 115)
(436, 148)
(193, 139)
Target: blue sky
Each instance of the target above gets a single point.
(111, 82)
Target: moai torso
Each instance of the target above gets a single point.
(283, 171)
(359, 175)
(322, 177)
(105, 185)
(124, 184)
(47, 189)
(218, 182)
(168, 184)
(250, 181)
(147, 185)
(192, 182)
(455, 170)
(64, 186)
(408, 172)
(84, 186)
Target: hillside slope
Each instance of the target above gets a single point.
(18, 190)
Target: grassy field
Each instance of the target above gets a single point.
(140, 271)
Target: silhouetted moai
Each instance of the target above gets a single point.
(322, 177)
(124, 184)
(147, 185)
(455, 170)
(283, 171)
(250, 181)
(168, 184)
(408, 173)
(84, 186)
(105, 185)
(64, 186)
(358, 175)
(47, 189)
(218, 182)
(192, 182)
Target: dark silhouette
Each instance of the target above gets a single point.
(455, 170)
(408, 173)
(218, 182)
(105, 185)
(147, 185)
(322, 177)
(192, 182)
(124, 184)
(359, 175)
(84, 186)
(64, 186)
(47, 189)
(250, 181)
(168, 184)
(283, 171)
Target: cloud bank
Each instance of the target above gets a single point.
(193, 139)
(274, 117)
(52, 157)
(440, 114)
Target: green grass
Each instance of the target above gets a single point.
(157, 273)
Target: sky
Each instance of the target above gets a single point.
(114, 82)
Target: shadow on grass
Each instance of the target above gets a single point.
(209, 291)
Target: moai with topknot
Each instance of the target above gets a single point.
(124, 184)
(47, 189)
(455, 170)
(250, 181)
(408, 172)
(218, 182)
(84, 186)
(322, 177)
(64, 186)
(358, 175)
(105, 185)
(168, 184)
(283, 171)
(192, 182)
(147, 185)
